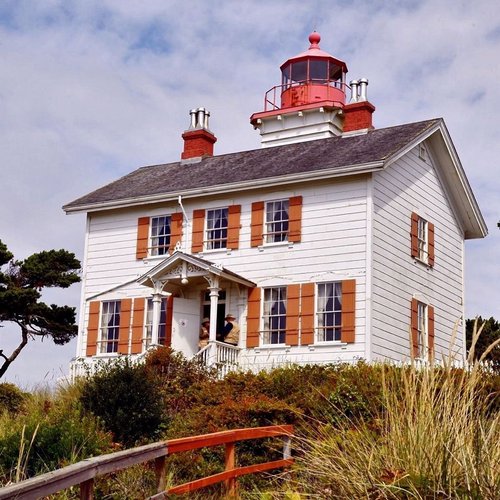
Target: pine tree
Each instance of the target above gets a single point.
(21, 285)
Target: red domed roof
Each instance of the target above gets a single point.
(315, 52)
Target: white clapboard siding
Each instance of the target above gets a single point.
(412, 185)
(333, 241)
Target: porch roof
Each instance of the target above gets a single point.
(181, 269)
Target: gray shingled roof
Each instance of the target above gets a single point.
(336, 152)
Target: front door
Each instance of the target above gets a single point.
(186, 326)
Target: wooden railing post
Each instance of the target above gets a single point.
(287, 447)
(161, 473)
(87, 490)
(230, 463)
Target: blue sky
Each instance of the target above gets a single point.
(91, 90)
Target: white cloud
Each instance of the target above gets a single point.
(91, 90)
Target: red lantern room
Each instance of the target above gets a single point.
(313, 76)
(310, 103)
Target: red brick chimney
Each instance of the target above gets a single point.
(358, 113)
(198, 140)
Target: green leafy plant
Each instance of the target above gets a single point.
(127, 399)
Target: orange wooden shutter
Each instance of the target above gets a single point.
(414, 329)
(175, 230)
(257, 224)
(142, 237)
(295, 219)
(138, 325)
(430, 317)
(414, 234)
(307, 313)
(430, 234)
(123, 333)
(253, 317)
(93, 328)
(198, 230)
(348, 310)
(169, 307)
(292, 314)
(233, 226)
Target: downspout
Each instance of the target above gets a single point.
(185, 224)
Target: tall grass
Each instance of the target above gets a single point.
(438, 436)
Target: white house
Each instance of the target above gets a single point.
(334, 242)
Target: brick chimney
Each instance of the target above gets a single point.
(358, 113)
(198, 140)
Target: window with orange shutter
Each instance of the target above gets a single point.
(422, 239)
(276, 221)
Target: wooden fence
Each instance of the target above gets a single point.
(84, 473)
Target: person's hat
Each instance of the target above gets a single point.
(230, 316)
(205, 320)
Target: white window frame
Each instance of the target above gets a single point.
(423, 330)
(148, 323)
(213, 241)
(109, 326)
(321, 310)
(271, 296)
(271, 209)
(156, 249)
(423, 240)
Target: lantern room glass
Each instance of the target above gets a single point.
(315, 71)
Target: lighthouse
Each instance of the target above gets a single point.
(313, 100)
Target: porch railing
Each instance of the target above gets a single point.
(224, 357)
(84, 473)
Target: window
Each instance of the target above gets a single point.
(276, 222)
(422, 239)
(160, 235)
(422, 330)
(109, 326)
(329, 311)
(216, 232)
(148, 327)
(274, 315)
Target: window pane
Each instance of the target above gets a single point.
(299, 71)
(422, 240)
(318, 71)
(285, 77)
(160, 235)
(216, 236)
(274, 319)
(329, 311)
(276, 221)
(110, 326)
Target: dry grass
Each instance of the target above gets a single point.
(437, 437)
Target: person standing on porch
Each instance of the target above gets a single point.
(231, 331)
(204, 333)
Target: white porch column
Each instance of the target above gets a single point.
(213, 282)
(157, 298)
(214, 289)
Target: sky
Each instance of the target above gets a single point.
(93, 89)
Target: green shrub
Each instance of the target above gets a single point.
(11, 397)
(128, 401)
